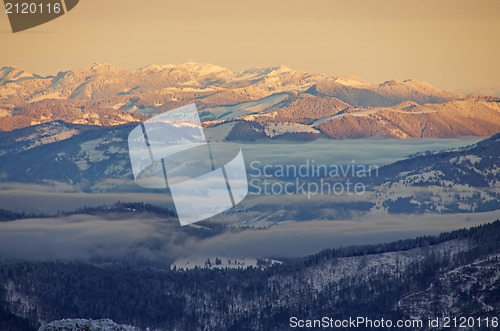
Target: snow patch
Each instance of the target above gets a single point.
(274, 129)
(87, 324)
(228, 113)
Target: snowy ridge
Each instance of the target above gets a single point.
(393, 263)
(105, 95)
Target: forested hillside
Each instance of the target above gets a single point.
(408, 278)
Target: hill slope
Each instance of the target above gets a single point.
(452, 275)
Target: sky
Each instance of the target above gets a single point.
(451, 44)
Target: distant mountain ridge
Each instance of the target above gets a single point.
(386, 94)
(267, 102)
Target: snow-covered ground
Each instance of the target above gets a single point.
(218, 132)
(86, 324)
(227, 113)
(274, 129)
(394, 263)
(366, 112)
(47, 134)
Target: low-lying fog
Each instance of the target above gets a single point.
(156, 240)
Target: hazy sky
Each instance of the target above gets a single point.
(452, 44)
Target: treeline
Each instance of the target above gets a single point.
(65, 109)
(126, 208)
(414, 205)
(118, 207)
(7, 215)
(482, 236)
(202, 229)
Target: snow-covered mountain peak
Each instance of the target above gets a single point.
(12, 73)
(351, 80)
(203, 68)
(102, 66)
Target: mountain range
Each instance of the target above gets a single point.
(95, 159)
(258, 103)
(65, 136)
